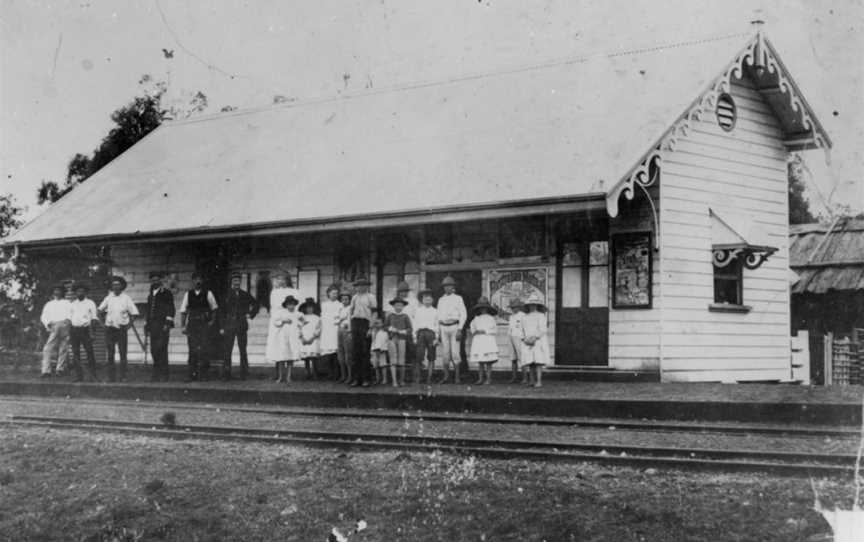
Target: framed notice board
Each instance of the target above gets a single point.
(631, 271)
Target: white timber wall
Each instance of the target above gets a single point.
(634, 334)
(742, 172)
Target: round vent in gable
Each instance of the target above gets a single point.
(726, 112)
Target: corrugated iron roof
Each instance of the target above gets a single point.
(826, 261)
(551, 131)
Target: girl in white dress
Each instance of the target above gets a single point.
(330, 331)
(282, 288)
(286, 338)
(535, 342)
(310, 335)
(484, 346)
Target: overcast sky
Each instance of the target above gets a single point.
(66, 65)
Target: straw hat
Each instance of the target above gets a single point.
(397, 300)
(425, 292)
(535, 299)
(403, 286)
(448, 281)
(483, 303)
(121, 280)
(362, 281)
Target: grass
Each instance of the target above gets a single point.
(68, 485)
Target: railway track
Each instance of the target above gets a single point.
(429, 416)
(778, 462)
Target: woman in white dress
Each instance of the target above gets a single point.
(282, 288)
(535, 342)
(286, 320)
(329, 344)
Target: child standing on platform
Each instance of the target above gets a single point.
(286, 339)
(425, 335)
(535, 343)
(380, 345)
(330, 331)
(514, 334)
(310, 334)
(398, 325)
(344, 337)
(484, 346)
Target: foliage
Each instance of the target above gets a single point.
(131, 123)
(799, 208)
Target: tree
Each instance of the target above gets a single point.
(132, 122)
(799, 208)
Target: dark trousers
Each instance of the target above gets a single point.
(197, 335)
(240, 335)
(116, 338)
(78, 337)
(425, 346)
(360, 349)
(159, 337)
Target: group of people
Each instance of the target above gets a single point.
(359, 343)
(364, 345)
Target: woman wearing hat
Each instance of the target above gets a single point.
(535, 343)
(282, 288)
(484, 347)
(330, 330)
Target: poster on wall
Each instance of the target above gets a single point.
(631, 271)
(506, 285)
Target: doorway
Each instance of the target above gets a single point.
(469, 286)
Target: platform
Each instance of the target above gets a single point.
(769, 403)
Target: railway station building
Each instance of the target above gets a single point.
(642, 193)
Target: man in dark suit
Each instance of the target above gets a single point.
(160, 320)
(237, 307)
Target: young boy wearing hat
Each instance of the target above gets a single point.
(160, 320)
(197, 316)
(451, 318)
(363, 306)
(398, 325)
(83, 314)
(120, 311)
(236, 310)
(425, 335)
(56, 317)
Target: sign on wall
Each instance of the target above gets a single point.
(508, 284)
(631, 271)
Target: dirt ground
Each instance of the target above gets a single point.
(69, 485)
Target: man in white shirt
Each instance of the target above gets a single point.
(56, 317)
(83, 315)
(119, 310)
(452, 315)
(197, 316)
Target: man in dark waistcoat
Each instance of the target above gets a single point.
(236, 310)
(197, 315)
(160, 320)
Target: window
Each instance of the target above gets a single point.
(585, 274)
(598, 274)
(728, 282)
(726, 112)
(522, 238)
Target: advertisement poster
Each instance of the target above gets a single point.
(632, 271)
(508, 284)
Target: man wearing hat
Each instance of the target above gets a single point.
(160, 320)
(197, 316)
(237, 309)
(363, 307)
(83, 314)
(56, 316)
(452, 315)
(119, 311)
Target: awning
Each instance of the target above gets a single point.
(737, 236)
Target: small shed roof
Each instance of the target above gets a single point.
(828, 260)
(546, 132)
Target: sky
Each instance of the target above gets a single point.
(65, 66)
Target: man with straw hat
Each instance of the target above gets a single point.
(452, 315)
(119, 311)
(363, 307)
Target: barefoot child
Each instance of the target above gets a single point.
(484, 347)
(514, 335)
(286, 346)
(310, 333)
(398, 325)
(425, 335)
(535, 343)
(344, 337)
(380, 345)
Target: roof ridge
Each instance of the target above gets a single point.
(459, 79)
